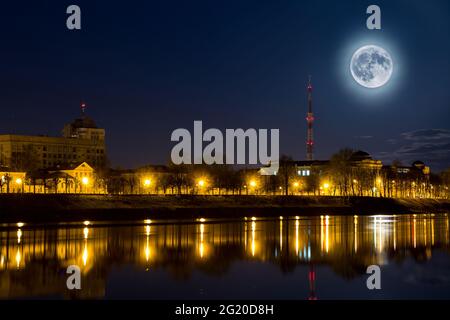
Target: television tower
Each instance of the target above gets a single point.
(309, 120)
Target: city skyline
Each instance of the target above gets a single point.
(231, 66)
(223, 158)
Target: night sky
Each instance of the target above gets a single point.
(145, 68)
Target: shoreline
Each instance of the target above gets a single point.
(37, 208)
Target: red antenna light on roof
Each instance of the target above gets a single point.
(83, 107)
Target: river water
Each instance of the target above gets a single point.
(322, 257)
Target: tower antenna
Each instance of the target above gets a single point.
(83, 107)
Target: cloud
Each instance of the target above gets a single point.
(431, 146)
(426, 135)
(363, 137)
(392, 141)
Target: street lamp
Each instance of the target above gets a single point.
(19, 183)
(296, 185)
(85, 182)
(325, 187)
(201, 183)
(147, 183)
(253, 185)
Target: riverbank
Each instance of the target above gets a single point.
(63, 207)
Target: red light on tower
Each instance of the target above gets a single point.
(312, 283)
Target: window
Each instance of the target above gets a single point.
(304, 173)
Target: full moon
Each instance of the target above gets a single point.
(371, 66)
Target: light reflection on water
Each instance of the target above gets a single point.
(212, 256)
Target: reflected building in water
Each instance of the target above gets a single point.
(33, 262)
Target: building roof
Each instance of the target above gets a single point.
(418, 164)
(68, 166)
(360, 156)
(309, 163)
(84, 122)
(153, 168)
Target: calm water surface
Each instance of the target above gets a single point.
(253, 258)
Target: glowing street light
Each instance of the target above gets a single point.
(253, 183)
(147, 182)
(85, 180)
(18, 181)
(324, 188)
(201, 185)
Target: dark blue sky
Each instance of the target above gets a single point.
(146, 68)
